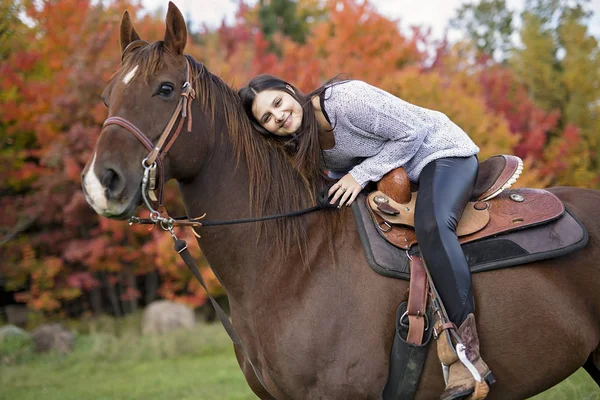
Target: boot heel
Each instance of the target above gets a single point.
(490, 379)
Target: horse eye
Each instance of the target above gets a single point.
(165, 90)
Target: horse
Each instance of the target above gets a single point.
(314, 319)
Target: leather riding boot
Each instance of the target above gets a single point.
(460, 380)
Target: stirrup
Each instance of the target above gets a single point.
(461, 351)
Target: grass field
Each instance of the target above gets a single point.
(122, 364)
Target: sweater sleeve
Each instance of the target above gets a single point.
(399, 125)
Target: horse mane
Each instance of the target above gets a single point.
(276, 187)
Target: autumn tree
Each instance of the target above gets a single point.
(581, 77)
(11, 27)
(54, 248)
(369, 48)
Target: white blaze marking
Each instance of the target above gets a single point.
(94, 189)
(129, 76)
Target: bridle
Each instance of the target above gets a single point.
(154, 176)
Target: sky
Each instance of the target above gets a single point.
(429, 13)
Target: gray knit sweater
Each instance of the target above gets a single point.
(376, 132)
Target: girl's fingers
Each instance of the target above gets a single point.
(345, 190)
(345, 198)
(337, 195)
(332, 189)
(355, 194)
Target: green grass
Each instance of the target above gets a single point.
(178, 366)
(113, 361)
(212, 377)
(579, 386)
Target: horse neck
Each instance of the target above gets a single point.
(220, 189)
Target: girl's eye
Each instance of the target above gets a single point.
(266, 119)
(277, 102)
(165, 90)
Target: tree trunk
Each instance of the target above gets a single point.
(151, 286)
(96, 297)
(112, 295)
(132, 285)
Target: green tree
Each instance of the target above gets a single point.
(489, 24)
(288, 18)
(581, 78)
(559, 63)
(10, 27)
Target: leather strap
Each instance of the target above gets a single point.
(131, 128)
(417, 301)
(170, 142)
(440, 327)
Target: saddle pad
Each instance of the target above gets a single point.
(556, 238)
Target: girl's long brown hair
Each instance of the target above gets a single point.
(303, 146)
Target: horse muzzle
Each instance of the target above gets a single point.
(109, 193)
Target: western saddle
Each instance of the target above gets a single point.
(492, 209)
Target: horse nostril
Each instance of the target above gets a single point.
(111, 182)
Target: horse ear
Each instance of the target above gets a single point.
(128, 34)
(176, 32)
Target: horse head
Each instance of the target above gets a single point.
(149, 102)
(170, 118)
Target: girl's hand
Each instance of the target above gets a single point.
(347, 188)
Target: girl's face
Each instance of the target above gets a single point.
(277, 111)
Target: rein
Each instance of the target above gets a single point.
(195, 222)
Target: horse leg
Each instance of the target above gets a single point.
(592, 366)
(251, 377)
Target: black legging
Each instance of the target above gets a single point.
(445, 187)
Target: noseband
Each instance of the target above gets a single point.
(153, 180)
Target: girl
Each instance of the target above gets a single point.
(359, 133)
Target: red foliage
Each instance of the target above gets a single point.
(82, 280)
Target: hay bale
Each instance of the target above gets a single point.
(53, 337)
(165, 316)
